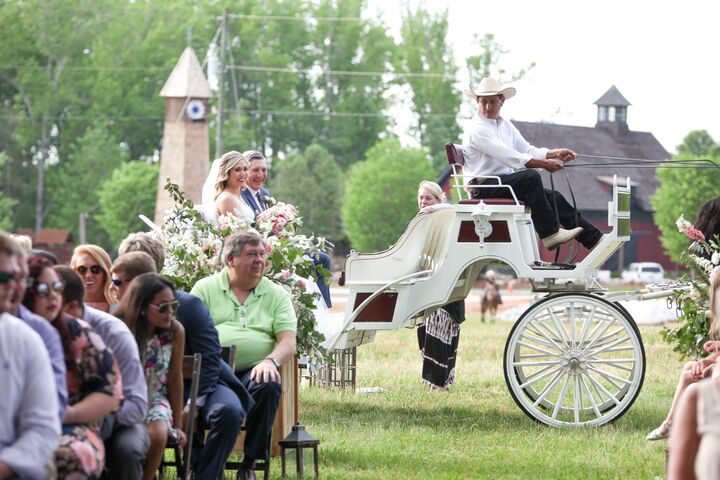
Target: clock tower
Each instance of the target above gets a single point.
(185, 154)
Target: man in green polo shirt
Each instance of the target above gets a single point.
(257, 316)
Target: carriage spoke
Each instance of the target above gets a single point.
(540, 341)
(548, 387)
(548, 338)
(609, 345)
(614, 364)
(561, 397)
(550, 334)
(572, 323)
(586, 324)
(559, 326)
(577, 399)
(534, 364)
(531, 380)
(604, 390)
(537, 349)
(592, 342)
(591, 397)
(609, 376)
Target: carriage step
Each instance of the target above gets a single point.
(537, 265)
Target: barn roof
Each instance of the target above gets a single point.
(47, 236)
(590, 185)
(613, 98)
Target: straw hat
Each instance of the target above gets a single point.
(489, 87)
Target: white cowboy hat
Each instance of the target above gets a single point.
(489, 87)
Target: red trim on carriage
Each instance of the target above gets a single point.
(380, 309)
(500, 232)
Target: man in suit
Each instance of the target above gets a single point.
(222, 400)
(255, 195)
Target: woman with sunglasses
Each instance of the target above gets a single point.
(93, 384)
(93, 263)
(148, 307)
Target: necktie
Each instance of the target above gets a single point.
(261, 204)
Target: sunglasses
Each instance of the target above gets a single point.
(42, 289)
(166, 307)
(6, 277)
(117, 282)
(95, 269)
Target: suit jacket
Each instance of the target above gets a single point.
(202, 337)
(252, 201)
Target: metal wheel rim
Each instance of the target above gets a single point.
(574, 360)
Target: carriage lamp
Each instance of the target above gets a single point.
(299, 439)
(481, 218)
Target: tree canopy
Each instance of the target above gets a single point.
(381, 194)
(683, 191)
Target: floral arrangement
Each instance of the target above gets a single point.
(280, 219)
(702, 257)
(193, 249)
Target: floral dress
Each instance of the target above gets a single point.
(81, 454)
(158, 353)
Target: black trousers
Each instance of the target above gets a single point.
(260, 418)
(528, 188)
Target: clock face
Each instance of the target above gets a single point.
(195, 110)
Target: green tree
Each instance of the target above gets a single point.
(487, 63)
(130, 191)
(381, 194)
(313, 182)
(683, 191)
(6, 204)
(73, 184)
(424, 49)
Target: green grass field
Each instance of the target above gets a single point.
(475, 430)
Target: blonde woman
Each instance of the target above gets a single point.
(93, 265)
(221, 191)
(438, 337)
(695, 442)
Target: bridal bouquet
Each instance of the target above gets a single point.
(280, 219)
(702, 257)
(193, 250)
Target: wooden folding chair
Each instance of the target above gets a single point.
(191, 371)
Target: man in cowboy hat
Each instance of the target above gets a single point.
(494, 147)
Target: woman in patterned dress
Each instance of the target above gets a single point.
(94, 389)
(438, 337)
(148, 308)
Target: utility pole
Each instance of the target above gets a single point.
(221, 89)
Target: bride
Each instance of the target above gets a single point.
(221, 191)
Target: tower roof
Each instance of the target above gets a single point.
(612, 98)
(187, 78)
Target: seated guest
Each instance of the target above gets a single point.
(91, 377)
(255, 194)
(29, 426)
(148, 308)
(48, 334)
(696, 370)
(257, 316)
(694, 445)
(128, 266)
(222, 399)
(125, 436)
(93, 265)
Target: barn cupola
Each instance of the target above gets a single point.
(612, 111)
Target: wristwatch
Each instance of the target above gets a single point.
(275, 361)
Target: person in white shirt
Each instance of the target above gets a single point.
(29, 423)
(493, 146)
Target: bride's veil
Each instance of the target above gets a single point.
(207, 208)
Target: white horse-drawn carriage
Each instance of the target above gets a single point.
(574, 357)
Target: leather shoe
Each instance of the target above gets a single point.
(561, 236)
(246, 474)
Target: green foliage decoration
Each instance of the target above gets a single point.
(381, 194)
(692, 330)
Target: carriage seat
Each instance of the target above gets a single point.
(422, 246)
(456, 158)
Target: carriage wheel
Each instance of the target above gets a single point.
(574, 360)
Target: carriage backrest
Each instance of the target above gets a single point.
(422, 246)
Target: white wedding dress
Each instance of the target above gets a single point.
(208, 208)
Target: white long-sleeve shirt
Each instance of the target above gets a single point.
(496, 147)
(29, 424)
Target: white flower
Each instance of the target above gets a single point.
(715, 258)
